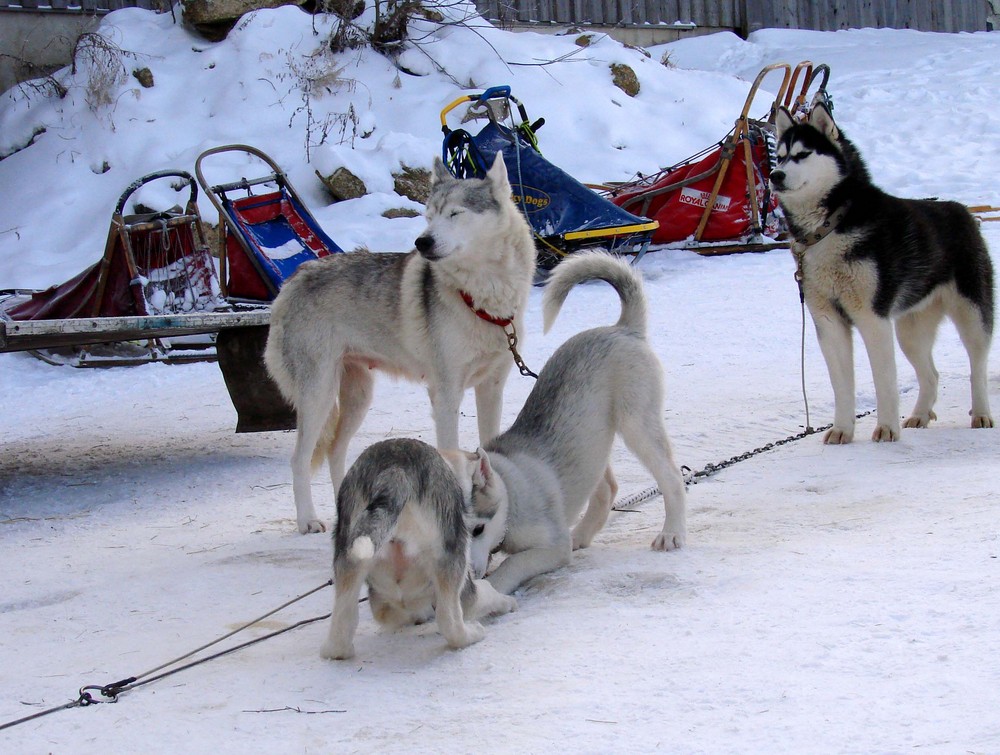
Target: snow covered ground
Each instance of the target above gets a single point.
(830, 599)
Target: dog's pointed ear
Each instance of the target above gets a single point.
(821, 119)
(782, 121)
(482, 471)
(440, 171)
(498, 175)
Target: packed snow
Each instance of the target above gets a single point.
(829, 599)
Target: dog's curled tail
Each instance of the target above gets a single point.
(362, 549)
(368, 511)
(584, 266)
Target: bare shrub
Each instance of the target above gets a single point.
(313, 78)
(104, 63)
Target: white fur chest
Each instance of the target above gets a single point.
(830, 280)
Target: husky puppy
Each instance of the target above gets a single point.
(531, 483)
(869, 259)
(401, 528)
(439, 314)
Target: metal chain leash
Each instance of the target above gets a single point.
(692, 478)
(518, 359)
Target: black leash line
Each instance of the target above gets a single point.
(113, 690)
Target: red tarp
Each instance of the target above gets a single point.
(149, 267)
(680, 209)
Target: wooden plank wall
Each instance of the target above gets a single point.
(748, 15)
(830, 15)
(716, 13)
(740, 15)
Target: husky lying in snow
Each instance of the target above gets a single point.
(869, 259)
(401, 527)
(438, 314)
(531, 483)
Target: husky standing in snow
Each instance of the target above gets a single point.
(401, 528)
(868, 259)
(440, 314)
(530, 483)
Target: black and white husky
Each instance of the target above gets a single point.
(440, 314)
(531, 482)
(401, 527)
(869, 259)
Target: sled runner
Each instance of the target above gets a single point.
(152, 292)
(718, 201)
(564, 214)
(986, 213)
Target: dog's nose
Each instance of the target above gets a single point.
(425, 245)
(777, 179)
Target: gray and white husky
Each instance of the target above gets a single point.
(531, 483)
(869, 259)
(439, 314)
(401, 528)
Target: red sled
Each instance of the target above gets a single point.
(701, 201)
(721, 193)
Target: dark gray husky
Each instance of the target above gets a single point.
(401, 528)
(869, 259)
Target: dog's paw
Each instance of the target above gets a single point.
(581, 541)
(474, 632)
(836, 436)
(337, 651)
(921, 420)
(489, 602)
(507, 605)
(982, 421)
(667, 541)
(885, 434)
(312, 527)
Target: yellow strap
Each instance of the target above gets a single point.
(617, 231)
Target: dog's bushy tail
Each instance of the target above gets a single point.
(367, 518)
(584, 266)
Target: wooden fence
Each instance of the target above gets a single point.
(745, 16)
(742, 16)
(830, 15)
(713, 13)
